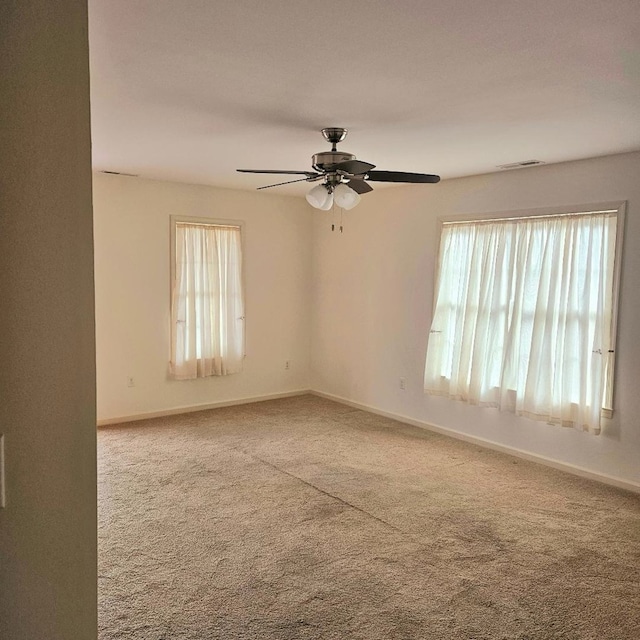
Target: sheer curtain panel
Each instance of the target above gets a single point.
(523, 316)
(207, 306)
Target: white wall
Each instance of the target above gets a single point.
(132, 293)
(373, 289)
(48, 537)
(357, 319)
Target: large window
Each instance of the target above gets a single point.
(524, 316)
(207, 302)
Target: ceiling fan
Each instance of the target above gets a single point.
(343, 177)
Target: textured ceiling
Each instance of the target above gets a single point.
(191, 90)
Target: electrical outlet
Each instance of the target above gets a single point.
(130, 381)
(403, 384)
(287, 364)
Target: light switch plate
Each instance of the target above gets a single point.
(3, 501)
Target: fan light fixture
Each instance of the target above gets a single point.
(345, 197)
(320, 197)
(323, 196)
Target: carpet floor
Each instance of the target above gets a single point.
(303, 518)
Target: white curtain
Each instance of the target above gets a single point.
(207, 310)
(522, 319)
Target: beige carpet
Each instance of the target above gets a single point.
(303, 518)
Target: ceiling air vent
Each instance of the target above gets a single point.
(524, 163)
(120, 173)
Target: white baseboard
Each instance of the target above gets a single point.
(489, 444)
(482, 442)
(199, 407)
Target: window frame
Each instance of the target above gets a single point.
(213, 222)
(617, 207)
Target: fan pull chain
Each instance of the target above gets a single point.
(333, 214)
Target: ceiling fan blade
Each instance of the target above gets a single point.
(278, 184)
(293, 173)
(354, 167)
(359, 186)
(401, 176)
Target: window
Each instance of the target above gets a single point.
(207, 302)
(524, 315)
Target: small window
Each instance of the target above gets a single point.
(525, 315)
(207, 300)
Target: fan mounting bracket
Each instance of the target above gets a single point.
(333, 135)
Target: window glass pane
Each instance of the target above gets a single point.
(523, 315)
(207, 301)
